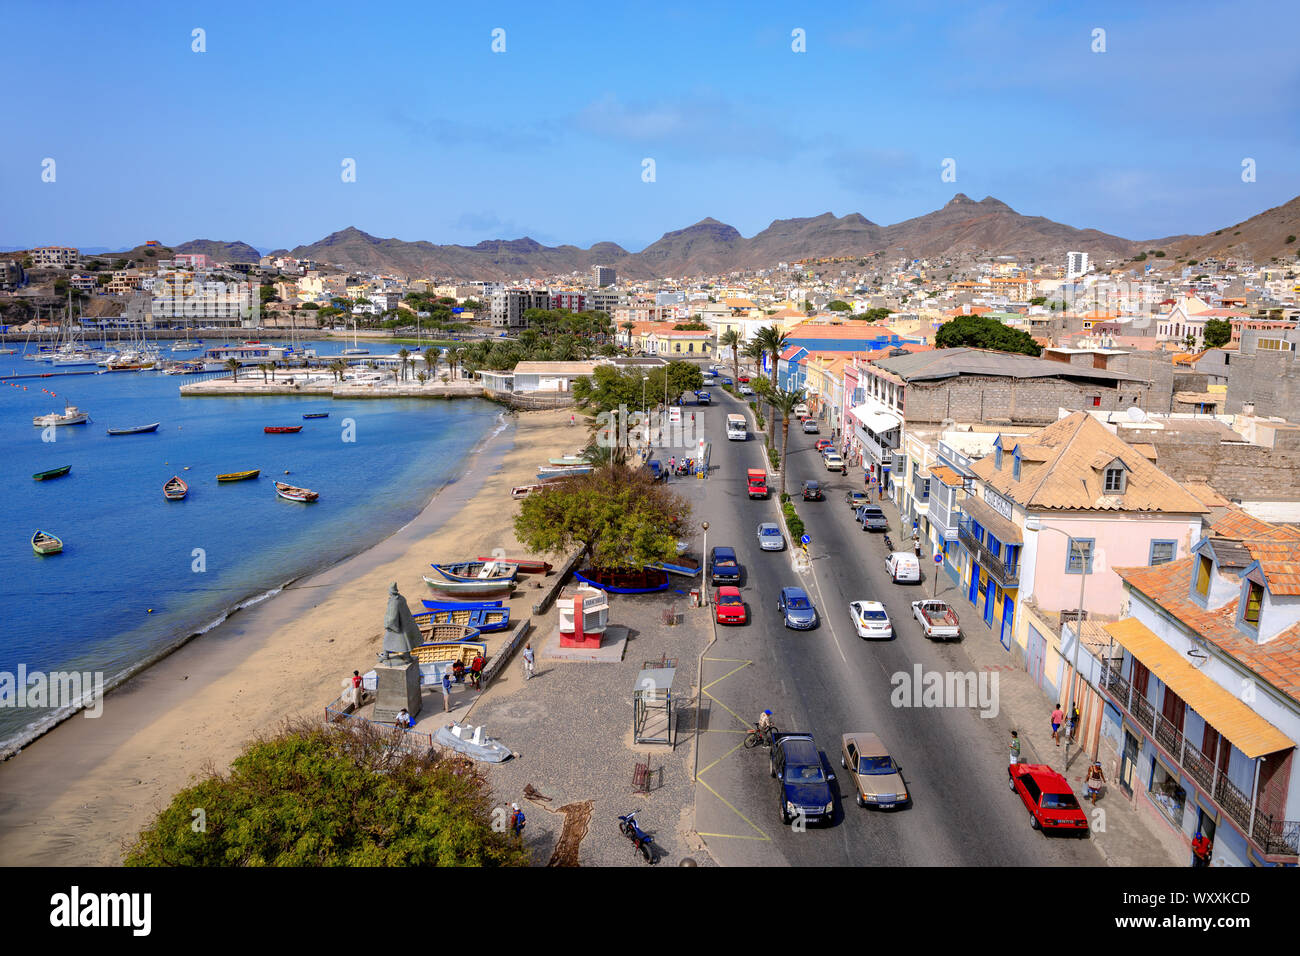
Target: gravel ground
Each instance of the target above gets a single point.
(572, 728)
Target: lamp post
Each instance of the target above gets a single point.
(1078, 624)
(704, 556)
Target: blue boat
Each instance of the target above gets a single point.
(454, 605)
(686, 567)
(316, 415)
(480, 618)
(625, 580)
(465, 572)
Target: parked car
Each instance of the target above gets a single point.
(723, 567)
(833, 461)
(810, 426)
(727, 381)
(801, 410)
(872, 518)
(730, 606)
(903, 567)
(805, 783)
(937, 620)
(745, 390)
(770, 537)
(824, 443)
(656, 469)
(796, 610)
(856, 499)
(877, 779)
(812, 491)
(1047, 796)
(870, 619)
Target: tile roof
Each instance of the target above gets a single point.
(1063, 466)
(947, 476)
(1168, 586)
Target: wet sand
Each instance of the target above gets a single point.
(80, 794)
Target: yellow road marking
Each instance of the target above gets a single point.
(757, 829)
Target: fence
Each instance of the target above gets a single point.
(414, 741)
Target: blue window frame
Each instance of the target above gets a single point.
(1072, 565)
(994, 545)
(1162, 551)
(1012, 557)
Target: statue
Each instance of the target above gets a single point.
(401, 633)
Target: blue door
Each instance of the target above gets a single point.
(988, 603)
(1037, 654)
(974, 582)
(1008, 613)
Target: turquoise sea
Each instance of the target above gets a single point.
(139, 573)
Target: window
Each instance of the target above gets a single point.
(1254, 600)
(1204, 568)
(1115, 480)
(1162, 552)
(1080, 556)
(1015, 466)
(1096, 401)
(997, 457)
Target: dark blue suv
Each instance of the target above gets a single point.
(723, 567)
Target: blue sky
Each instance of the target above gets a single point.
(456, 143)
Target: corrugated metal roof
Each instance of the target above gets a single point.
(948, 363)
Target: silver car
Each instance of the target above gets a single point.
(770, 537)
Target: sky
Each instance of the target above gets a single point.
(549, 135)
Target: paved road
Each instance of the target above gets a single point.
(828, 681)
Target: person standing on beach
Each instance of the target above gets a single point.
(446, 690)
(356, 688)
(528, 661)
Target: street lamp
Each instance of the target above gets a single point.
(704, 556)
(1035, 525)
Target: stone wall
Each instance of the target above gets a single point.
(1268, 379)
(1029, 401)
(1236, 470)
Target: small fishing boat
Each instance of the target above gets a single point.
(477, 570)
(240, 475)
(52, 473)
(523, 491)
(137, 430)
(482, 618)
(444, 638)
(488, 586)
(453, 605)
(8, 351)
(45, 543)
(562, 471)
(316, 415)
(568, 460)
(473, 742)
(72, 415)
(686, 566)
(175, 488)
(524, 565)
(625, 580)
(282, 429)
(290, 493)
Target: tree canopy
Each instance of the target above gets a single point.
(619, 517)
(981, 332)
(839, 305)
(312, 795)
(1218, 332)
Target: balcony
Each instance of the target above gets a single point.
(1007, 575)
(1271, 837)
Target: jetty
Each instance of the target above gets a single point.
(314, 383)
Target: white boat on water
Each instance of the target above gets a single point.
(186, 347)
(71, 415)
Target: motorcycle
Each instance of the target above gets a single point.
(643, 841)
(889, 545)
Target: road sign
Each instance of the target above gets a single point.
(938, 558)
(805, 539)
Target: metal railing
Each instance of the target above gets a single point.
(1007, 575)
(1168, 736)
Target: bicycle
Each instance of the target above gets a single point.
(756, 737)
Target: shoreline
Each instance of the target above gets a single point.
(81, 794)
(24, 738)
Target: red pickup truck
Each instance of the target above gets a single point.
(756, 483)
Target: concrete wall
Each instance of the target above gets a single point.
(1034, 401)
(1270, 380)
(1238, 471)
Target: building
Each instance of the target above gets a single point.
(1201, 680)
(606, 302)
(11, 275)
(46, 257)
(602, 276)
(191, 260)
(179, 301)
(553, 378)
(1076, 264)
(569, 300)
(509, 306)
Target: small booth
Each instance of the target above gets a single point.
(654, 709)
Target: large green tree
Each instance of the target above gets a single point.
(783, 404)
(1218, 332)
(730, 340)
(620, 518)
(980, 332)
(315, 795)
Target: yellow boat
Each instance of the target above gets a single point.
(240, 475)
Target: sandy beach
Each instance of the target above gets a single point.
(80, 794)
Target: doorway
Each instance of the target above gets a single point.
(1128, 763)
(988, 603)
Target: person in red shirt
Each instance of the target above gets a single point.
(476, 670)
(1201, 849)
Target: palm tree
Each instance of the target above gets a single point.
(628, 327)
(431, 360)
(783, 403)
(233, 365)
(404, 354)
(773, 341)
(730, 339)
(454, 359)
(265, 367)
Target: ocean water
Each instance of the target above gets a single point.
(138, 572)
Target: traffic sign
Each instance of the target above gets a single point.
(805, 539)
(938, 558)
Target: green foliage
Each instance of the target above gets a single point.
(1218, 332)
(1038, 300)
(875, 315)
(981, 332)
(1160, 254)
(792, 520)
(773, 456)
(1140, 257)
(620, 518)
(1289, 240)
(690, 327)
(839, 305)
(329, 796)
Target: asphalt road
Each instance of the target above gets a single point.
(828, 682)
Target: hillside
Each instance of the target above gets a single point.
(1259, 238)
(218, 251)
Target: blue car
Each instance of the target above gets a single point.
(727, 381)
(656, 469)
(723, 567)
(704, 398)
(796, 609)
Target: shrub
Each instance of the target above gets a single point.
(792, 521)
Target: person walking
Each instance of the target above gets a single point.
(916, 546)
(528, 661)
(1015, 748)
(1093, 781)
(446, 690)
(476, 671)
(1201, 850)
(1058, 716)
(517, 821)
(1072, 725)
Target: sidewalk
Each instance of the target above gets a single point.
(1120, 835)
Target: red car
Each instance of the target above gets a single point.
(743, 380)
(730, 606)
(1051, 803)
(823, 444)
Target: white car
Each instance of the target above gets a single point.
(871, 620)
(745, 389)
(770, 537)
(801, 410)
(903, 567)
(833, 461)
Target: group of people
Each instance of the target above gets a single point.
(475, 671)
(1058, 717)
(1092, 781)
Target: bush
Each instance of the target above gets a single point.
(792, 521)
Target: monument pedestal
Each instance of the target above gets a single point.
(397, 685)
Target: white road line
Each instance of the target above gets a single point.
(821, 598)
